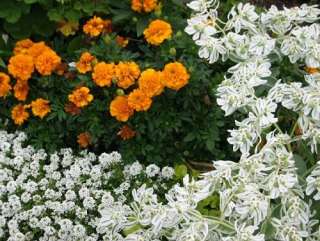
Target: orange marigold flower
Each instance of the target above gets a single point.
(47, 62)
(103, 74)
(21, 66)
(19, 114)
(5, 86)
(22, 46)
(84, 139)
(139, 101)
(40, 107)
(96, 25)
(120, 109)
(143, 5)
(175, 76)
(81, 97)
(150, 82)
(21, 90)
(157, 32)
(122, 41)
(72, 109)
(37, 49)
(312, 70)
(85, 62)
(126, 132)
(126, 74)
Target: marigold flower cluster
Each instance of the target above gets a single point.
(96, 25)
(151, 83)
(125, 75)
(136, 88)
(28, 57)
(144, 5)
(39, 107)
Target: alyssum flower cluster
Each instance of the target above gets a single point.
(58, 196)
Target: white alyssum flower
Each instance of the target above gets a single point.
(152, 170)
(167, 172)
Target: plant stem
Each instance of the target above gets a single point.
(294, 128)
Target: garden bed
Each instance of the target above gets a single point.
(148, 120)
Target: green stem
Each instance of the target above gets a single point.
(278, 127)
(264, 224)
(309, 171)
(220, 222)
(294, 128)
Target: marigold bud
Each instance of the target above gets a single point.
(173, 51)
(120, 92)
